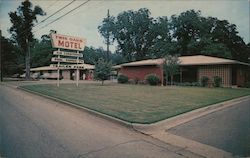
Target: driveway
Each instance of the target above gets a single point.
(227, 129)
(34, 127)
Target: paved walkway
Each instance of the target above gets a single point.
(227, 129)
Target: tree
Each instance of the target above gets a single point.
(41, 52)
(12, 61)
(162, 43)
(210, 36)
(132, 31)
(102, 70)
(106, 31)
(22, 23)
(171, 66)
(91, 55)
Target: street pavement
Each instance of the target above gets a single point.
(227, 129)
(34, 127)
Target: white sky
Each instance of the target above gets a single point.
(84, 21)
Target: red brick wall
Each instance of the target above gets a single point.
(141, 72)
(223, 71)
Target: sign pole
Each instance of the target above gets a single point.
(58, 71)
(77, 70)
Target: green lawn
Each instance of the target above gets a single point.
(137, 103)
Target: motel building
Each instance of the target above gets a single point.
(192, 68)
(66, 72)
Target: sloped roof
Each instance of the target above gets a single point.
(186, 60)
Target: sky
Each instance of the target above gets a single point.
(83, 22)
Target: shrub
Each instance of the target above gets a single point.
(136, 80)
(152, 79)
(247, 85)
(217, 81)
(204, 81)
(195, 84)
(122, 78)
(131, 81)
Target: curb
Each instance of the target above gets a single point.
(188, 116)
(148, 128)
(90, 111)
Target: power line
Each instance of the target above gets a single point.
(55, 13)
(63, 15)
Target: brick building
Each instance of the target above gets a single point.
(192, 68)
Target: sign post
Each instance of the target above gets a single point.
(70, 43)
(58, 70)
(77, 71)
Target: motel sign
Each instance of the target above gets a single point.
(68, 42)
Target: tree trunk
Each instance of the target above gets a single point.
(27, 62)
(27, 66)
(102, 82)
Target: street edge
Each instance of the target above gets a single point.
(90, 111)
(144, 128)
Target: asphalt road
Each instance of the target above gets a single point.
(228, 129)
(35, 127)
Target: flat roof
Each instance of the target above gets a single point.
(186, 60)
(45, 68)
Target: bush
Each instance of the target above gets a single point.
(204, 81)
(152, 79)
(247, 85)
(136, 80)
(217, 81)
(122, 78)
(196, 84)
(131, 81)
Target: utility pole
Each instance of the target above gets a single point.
(108, 17)
(1, 57)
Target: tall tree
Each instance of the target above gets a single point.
(106, 30)
(162, 42)
(210, 36)
(131, 30)
(22, 23)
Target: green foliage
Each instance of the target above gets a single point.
(21, 30)
(139, 36)
(171, 66)
(122, 78)
(41, 52)
(204, 81)
(102, 70)
(133, 32)
(193, 84)
(217, 81)
(247, 85)
(152, 79)
(91, 55)
(12, 61)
